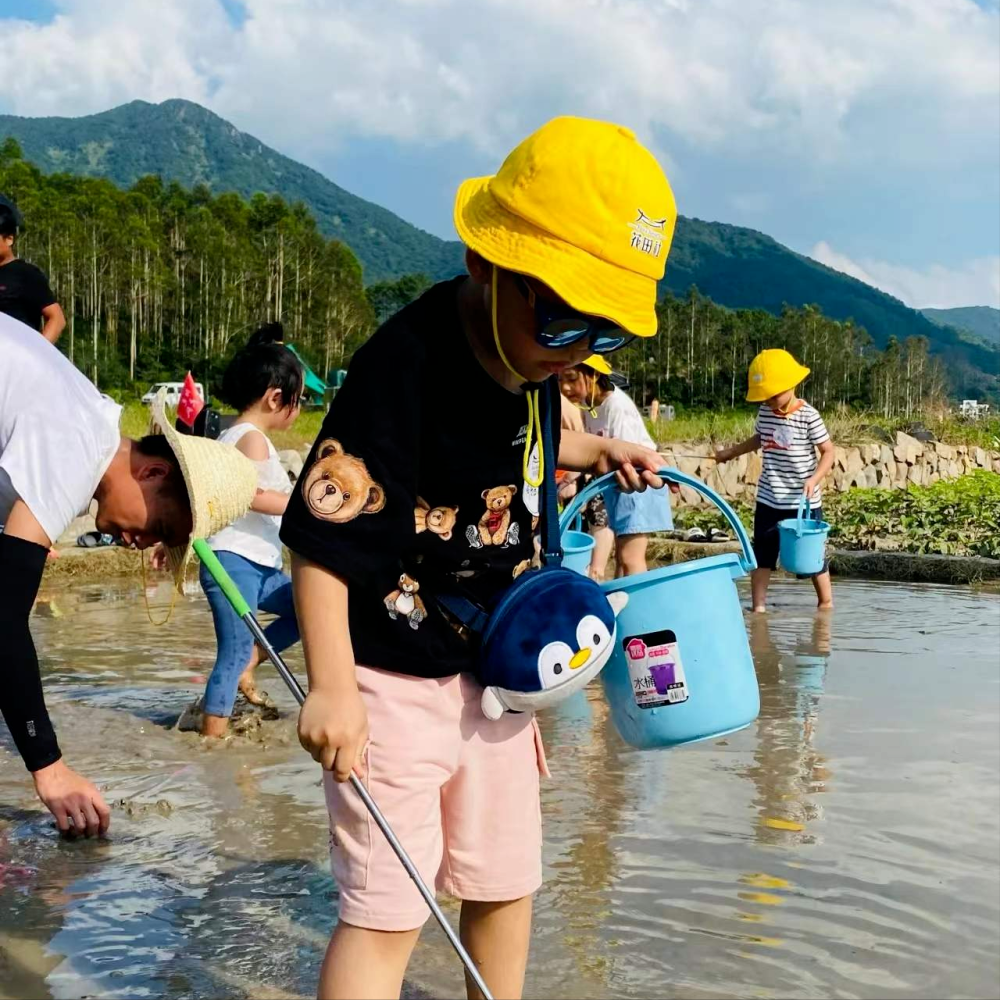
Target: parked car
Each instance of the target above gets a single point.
(173, 392)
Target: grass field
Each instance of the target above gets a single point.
(729, 426)
(722, 427)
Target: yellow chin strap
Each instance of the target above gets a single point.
(590, 407)
(534, 432)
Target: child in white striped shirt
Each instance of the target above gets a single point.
(789, 431)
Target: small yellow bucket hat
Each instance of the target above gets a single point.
(772, 372)
(584, 207)
(599, 363)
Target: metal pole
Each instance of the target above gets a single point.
(236, 599)
(411, 869)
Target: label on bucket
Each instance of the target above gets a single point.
(655, 669)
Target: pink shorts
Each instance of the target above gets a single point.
(460, 792)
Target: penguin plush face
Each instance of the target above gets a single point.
(550, 635)
(557, 660)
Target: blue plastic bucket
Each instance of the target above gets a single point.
(802, 542)
(578, 547)
(681, 670)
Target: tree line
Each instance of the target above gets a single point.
(702, 351)
(158, 279)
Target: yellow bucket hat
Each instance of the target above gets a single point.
(599, 364)
(773, 372)
(584, 207)
(221, 483)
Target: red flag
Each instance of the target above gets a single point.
(191, 403)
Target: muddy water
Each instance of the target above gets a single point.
(846, 845)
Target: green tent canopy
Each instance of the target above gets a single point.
(315, 387)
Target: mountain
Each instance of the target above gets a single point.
(982, 322)
(742, 268)
(736, 267)
(187, 143)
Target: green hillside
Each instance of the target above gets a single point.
(734, 266)
(187, 143)
(982, 322)
(740, 267)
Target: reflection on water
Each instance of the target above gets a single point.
(847, 844)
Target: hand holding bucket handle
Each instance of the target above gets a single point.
(675, 476)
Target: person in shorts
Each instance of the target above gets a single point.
(623, 522)
(421, 476)
(789, 433)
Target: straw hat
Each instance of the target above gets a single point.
(221, 483)
(584, 207)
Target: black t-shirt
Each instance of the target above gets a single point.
(417, 477)
(24, 292)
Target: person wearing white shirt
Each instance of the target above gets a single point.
(609, 412)
(60, 449)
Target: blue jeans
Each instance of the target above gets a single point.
(262, 587)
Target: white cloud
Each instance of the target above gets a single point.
(796, 76)
(975, 283)
(795, 98)
(99, 53)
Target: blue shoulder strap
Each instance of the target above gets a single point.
(551, 544)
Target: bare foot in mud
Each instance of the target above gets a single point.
(248, 683)
(214, 725)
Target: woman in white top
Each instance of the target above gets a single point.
(264, 383)
(610, 412)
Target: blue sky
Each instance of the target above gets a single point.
(863, 132)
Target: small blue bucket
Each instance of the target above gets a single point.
(802, 542)
(578, 548)
(681, 670)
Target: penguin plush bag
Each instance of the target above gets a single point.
(550, 635)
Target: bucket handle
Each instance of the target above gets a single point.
(675, 476)
(800, 517)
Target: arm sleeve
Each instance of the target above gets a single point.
(352, 508)
(817, 429)
(21, 701)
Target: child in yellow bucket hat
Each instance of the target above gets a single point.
(789, 432)
(427, 471)
(629, 519)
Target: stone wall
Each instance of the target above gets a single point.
(877, 464)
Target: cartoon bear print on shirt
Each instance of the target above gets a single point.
(439, 521)
(494, 527)
(405, 601)
(338, 487)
